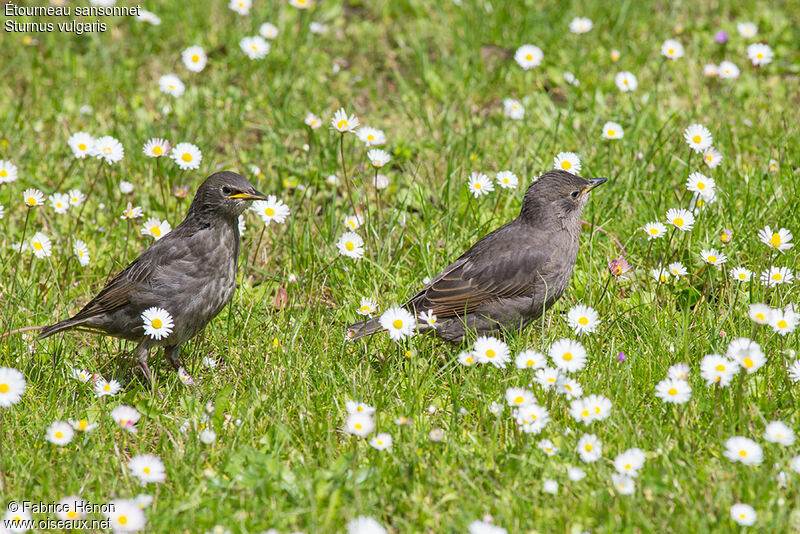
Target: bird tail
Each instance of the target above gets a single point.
(367, 327)
(49, 330)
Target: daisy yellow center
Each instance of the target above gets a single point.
(672, 391)
(529, 57)
(470, 359)
(398, 323)
(157, 323)
(107, 387)
(588, 447)
(379, 442)
(490, 353)
(342, 124)
(4, 388)
(186, 157)
(712, 259)
(627, 466)
(156, 231)
(709, 157)
(358, 426)
(271, 212)
(742, 453)
(724, 237)
(31, 201)
(584, 321)
(107, 151)
(254, 47)
(662, 278)
(360, 409)
(671, 51)
(519, 400)
(617, 270)
(654, 231)
(80, 253)
(568, 356)
(146, 470)
(81, 146)
(566, 165)
(720, 368)
(701, 185)
(782, 324)
(611, 133)
(122, 520)
(59, 434)
(567, 387)
(505, 180)
(742, 276)
(585, 413)
(777, 276)
(551, 379)
(748, 362)
(697, 138)
(625, 82)
(349, 246)
(775, 240)
(478, 185)
(530, 363)
(37, 245)
(370, 137)
(157, 150)
(195, 58)
(364, 309)
(760, 316)
(82, 424)
(678, 221)
(759, 55)
(72, 514)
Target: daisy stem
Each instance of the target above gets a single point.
(3, 484)
(377, 197)
(256, 249)
(605, 288)
(64, 176)
(344, 172)
(162, 187)
(88, 195)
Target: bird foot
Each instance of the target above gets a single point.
(148, 375)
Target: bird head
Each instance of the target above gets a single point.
(226, 194)
(558, 193)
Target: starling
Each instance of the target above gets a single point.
(509, 277)
(190, 272)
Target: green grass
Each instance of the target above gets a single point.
(433, 77)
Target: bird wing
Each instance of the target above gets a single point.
(492, 269)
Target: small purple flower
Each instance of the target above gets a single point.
(621, 356)
(721, 37)
(619, 266)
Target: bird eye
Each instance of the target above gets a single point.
(226, 190)
(576, 193)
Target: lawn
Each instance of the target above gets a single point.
(264, 440)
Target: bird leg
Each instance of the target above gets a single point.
(141, 352)
(173, 354)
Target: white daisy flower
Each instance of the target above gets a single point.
(59, 433)
(359, 424)
(677, 269)
(358, 407)
(583, 319)
(748, 30)
(75, 197)
(741, 274)
(629, 462)
(567, 161)
(777, 239)
(343, 123)
(569, 387)
(612, 130)
(371, 136)
(773, 165)
(654, 230)
(268, 30)
(255, 47)
(712, 157)
(575, 474)
(351, 245)
(12, 386)
(82, 425)
(743, 450)
(626, 81)
(194, 58)
(571, 79)
(492, 350)
(599, 405)
(149, 17)
(241, 7)
(104, 388)
(530, 359)
(547, 377)
(672, 49)
(367, 307)
(378, 157)
(147, 468)
(59, 202)
(81, 250)
(312, 121)
(428, 318)
(125, 187)
(33, 197)
(568, 355)
(680, 218)
(747, 353)
(156, 148)
(271, 210)
(698, 137)
(124, 515)
(547, 447)
(779, 432)
(132, 212)
(532, 418)
(507, 180)
(187, 156)
(126, 417)
(318, 29)
(589, 448)
(109, 149)
(528, 56)
(580, 411)
(171, 84)
(208, 436)
(8, 171)
(759, 54)
(710, 70)
(41, 246)
(784, 322)
(678, 371)
(516, 397)
(398, 322)
(716, 369)
(156, 228)
(713, 256)
(728, 71)
(71, 508)
(673, 391)
(467, 357)
(480, 184)
(760, 313)
(300, 4)
(580, 25)
(81, 144)
(743, 514)
(660, 274)
(513, 109)
(701, 184)
(776, 275)
(157, 323)
(794, 374)
(624, 485)
(381, 441)
(550, 486)
(81, 375)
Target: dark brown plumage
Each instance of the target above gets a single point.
(190, 272)
(509, 277)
